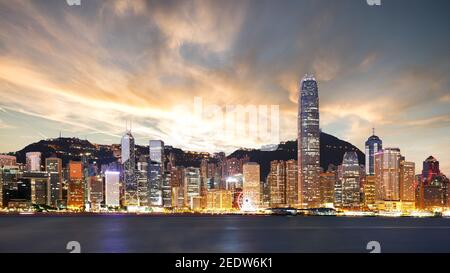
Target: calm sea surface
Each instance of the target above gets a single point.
(122, 233)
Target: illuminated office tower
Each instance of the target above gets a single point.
(217, 199)
(95, 192)
(277, 183)
(156, 171)
(129, 171)
(177, 197)
(407, 181)
(387, 174)
(211, 172)
(192, 185)
(40, 187)
(252, 184)
(373, 146)
(33, 161)
(112, 189)
(204, 181)
(338, 186)
(292, 183)
(157, 152)
(75, 192)
(142, 180)
(167, 190)
(155, 177)
(433, 186)
(219, 170)
(350, 180)
(369, 192)
(308, 143)
(85, 162)
(7, 160)
(53, 166)
(234, 166)
(327, 187)
(177, 184)
(9, 178)
(204, 172)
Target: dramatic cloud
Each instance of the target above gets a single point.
(88, 70)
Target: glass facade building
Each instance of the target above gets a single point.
(129, 170)
(308, 143)
(373, 146)
(432, 189)
(387, 174)
(351, 180)
(112, 189)
(53, 166)
(156, 172)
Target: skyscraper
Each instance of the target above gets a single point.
(432, 189)
(369, 191)
(75, 194)
(142, 179)
(177, 185)
(387, 174)
(95, 192)
(112, 189)
(129, 170)
(156, 172)
(9, 178)
(40, 187)
(167, 190)
(350, 180)
(192, 185)
(407, 181)
(156, 149)
(291, 183)
(53, 166)
(33, 161)
(277, 183)
(251, 185)
(327, 187)
(373, 146)
(308, 143)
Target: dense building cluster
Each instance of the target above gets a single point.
(155, 181)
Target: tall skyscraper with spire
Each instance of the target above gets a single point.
(129, 170)
(308, 143)
(373, 146)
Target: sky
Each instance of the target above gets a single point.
(94, 70)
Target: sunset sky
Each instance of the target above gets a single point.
(87, 70)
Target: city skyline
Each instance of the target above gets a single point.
(85, 73)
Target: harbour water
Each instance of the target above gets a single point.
(218, 234)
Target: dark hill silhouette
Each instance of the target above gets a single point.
(332, 151)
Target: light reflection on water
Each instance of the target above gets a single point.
(222, 234)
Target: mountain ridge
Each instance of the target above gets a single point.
(332, 151)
